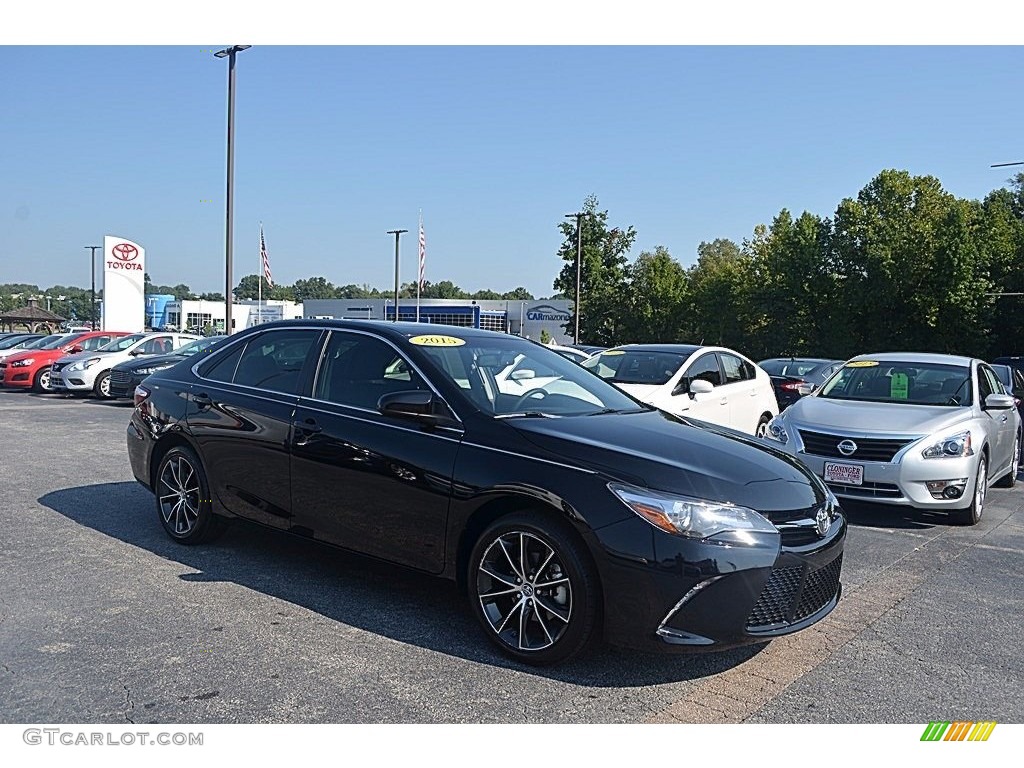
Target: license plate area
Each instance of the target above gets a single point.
(844, 474)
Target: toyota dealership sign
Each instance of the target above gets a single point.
(124, 290)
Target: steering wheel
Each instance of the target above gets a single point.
(527, 395)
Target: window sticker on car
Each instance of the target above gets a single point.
(862, 364)
(611, 352)
(437, 341)
(899, 383)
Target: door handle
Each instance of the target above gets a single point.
(309, 425)
(203, 400)
(724, 401)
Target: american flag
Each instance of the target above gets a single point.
(423, 255)
(266, 260)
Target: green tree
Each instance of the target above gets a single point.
(602, 270)
(485, 294)
(657, 295)
(518, 294)
(313, 288)
(545, 337)
(719, 288)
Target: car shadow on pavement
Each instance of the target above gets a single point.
(873, 515)
(385, 599)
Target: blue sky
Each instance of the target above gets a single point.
(336, 145)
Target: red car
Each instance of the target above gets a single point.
(30, 369)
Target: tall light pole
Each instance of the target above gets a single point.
(230, 54)
(579, 259)
(397, 233)
(92, 260)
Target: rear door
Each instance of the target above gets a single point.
(240, 413)
(362, 480)
(1003, 423)
(748, 397)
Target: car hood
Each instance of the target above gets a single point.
(148, 361)
(819, 413)
(664, 452)
(85, 356)
(35, 354)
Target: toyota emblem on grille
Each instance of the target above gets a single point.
(847, 447)
(822, 520)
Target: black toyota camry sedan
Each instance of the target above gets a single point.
(566, 510)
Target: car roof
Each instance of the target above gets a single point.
(915, 357)
(674, 349)
(386, 328)
(819, 360)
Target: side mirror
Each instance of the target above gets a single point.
(701, 387)
(414, 404)
(999, 402)
(523, 373)
(76, 349)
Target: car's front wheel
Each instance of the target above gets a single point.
(41, 383)
(972, 515)
(533, 588)
(183, 500)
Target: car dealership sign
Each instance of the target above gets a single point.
(547, 313)
(124, 293)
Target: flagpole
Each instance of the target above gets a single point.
(419, 268)
(259, 278)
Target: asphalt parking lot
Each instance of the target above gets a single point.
(104, 619)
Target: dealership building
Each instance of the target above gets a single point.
(164, 311)
(523, 318)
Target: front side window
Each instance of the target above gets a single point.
(705, 368)
(358, 370)
(625, 366)
(122, 343)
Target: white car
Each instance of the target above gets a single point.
(90, 371)
(711, 384)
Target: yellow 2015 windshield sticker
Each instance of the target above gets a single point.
(862, 364)
(611, 352)
(899, 384)
(437, 341)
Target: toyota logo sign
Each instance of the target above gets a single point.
(125, 252)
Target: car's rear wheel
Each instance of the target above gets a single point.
(533, 588)
(972, 515)
(102, 386)
(1010, 478)
(183, 501)
(41, 383)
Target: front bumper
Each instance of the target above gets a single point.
(904, 481)
(692, 596)
(74, 381)
(122, 384)
(16, 378)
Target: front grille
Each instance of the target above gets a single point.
(792, 594)
(868, 448)
(58, 367)
(120, 377)
(868, 490)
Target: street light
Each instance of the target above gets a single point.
(230, 54)
(579, 258)
(92, 261)
(397, 233)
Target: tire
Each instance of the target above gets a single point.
(41, 383)
(551, 617)
(762, 426)
(183, 503)
(972, 515)
(1010, 478)
(101, 387)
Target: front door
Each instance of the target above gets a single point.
(711, 406)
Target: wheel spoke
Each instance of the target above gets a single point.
(501, 628)
(540, 585)
(499, 593)
(184, 482)
(522, 555)
(175, 474)
(551, 554)
(540, 620)
(497, 576)
(522, 625)
(551, 610)
(511, 563)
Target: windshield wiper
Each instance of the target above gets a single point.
(526, 415)
(603, 411)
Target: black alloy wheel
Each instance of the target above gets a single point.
(533, 589)
(183, 498)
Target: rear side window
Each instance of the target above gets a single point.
(736, 369)
(95, 342)
(223, 368)
(274, 360)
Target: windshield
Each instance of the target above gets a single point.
(622, 366)
(199, 345)
(45, 342)
(121, 344)
(789, 367)
(904, 383)
(59, 341)
(510, 377)
(16, 342)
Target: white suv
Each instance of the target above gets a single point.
(90, 371)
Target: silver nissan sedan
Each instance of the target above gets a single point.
(928, 431)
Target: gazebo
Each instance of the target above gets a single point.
(31, 317)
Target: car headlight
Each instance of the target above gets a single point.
(953, 446)
(777, 430)
(151, 369)
(81, 365)
(693, 518)
(23, 363)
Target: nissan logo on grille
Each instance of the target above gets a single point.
(847, 447)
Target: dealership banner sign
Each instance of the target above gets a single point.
(124, 285)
